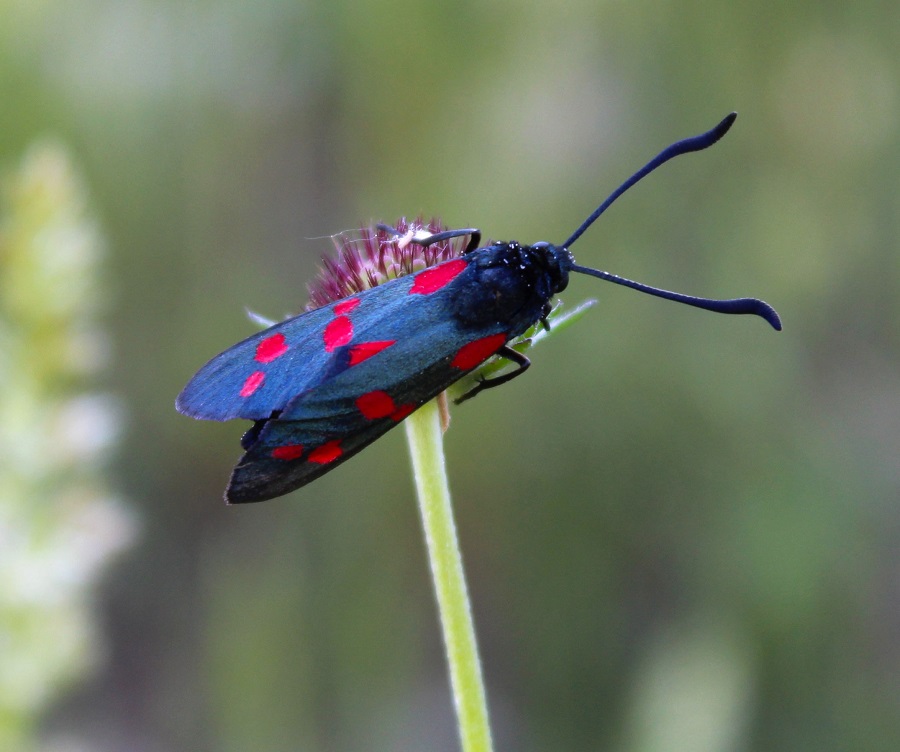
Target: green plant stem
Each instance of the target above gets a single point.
(423, 430)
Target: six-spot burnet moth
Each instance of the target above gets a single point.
(323, 385)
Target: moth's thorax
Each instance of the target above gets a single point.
(510, 282)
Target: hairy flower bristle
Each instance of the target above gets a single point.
(372, 256)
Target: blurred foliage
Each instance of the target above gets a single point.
(58, 521)
(677, 526)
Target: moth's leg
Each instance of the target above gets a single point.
(474, 238)
(389, 230)
(426, 240)
(506, 352)
(545, 312)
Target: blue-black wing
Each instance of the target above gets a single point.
(396, 364)
(328, 424)
(260, 375)
(325, 384)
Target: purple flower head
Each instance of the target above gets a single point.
(373, 255)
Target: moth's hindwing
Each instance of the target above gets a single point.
(331, 422)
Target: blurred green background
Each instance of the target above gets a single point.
(680, 530)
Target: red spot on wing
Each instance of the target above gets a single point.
(375, 404)
(401, 412)
(270, 348)
(338, 332)
(254, 381)
(288, 452)
(326, 453)
(365, 350)
(433, 279)
(345, 306)
(477, 352)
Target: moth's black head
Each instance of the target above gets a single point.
(556, 263)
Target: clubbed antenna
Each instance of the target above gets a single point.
(735, 305)
(696, 143)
